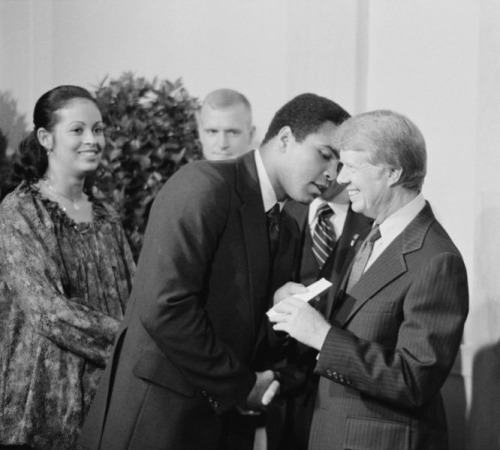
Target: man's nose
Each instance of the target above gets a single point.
(342, 177)
(331, 171)
(222, 140)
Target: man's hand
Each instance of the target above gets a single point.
(301, 321)
(287, 290)
(263, 391)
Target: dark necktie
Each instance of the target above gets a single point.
(273, 228)
(323, 239)
(362, 257)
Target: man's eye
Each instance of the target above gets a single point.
(327, 156)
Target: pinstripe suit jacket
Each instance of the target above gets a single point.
(393, 342)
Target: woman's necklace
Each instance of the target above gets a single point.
(74, 201)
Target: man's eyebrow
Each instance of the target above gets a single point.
(333, 150)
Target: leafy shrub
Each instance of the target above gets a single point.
(151, 132)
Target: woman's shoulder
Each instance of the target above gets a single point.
(22, 210)
(20, 198)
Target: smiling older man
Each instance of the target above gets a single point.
(396, 319)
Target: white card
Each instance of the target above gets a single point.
(313, 290)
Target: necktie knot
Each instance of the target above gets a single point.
(362, 256)
(374, 234)
(274, 216)
(273, 226)
(325, 211)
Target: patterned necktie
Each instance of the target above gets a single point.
(324, 235)
(273, 228)
(362, 257)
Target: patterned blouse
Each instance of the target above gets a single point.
(63, 289)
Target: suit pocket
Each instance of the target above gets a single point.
(370, 434)
(158, 369)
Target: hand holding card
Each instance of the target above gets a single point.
(313, 291)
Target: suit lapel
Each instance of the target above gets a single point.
(388, 266)
(253, 222)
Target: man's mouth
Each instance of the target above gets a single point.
(321, 188)
(352, 193)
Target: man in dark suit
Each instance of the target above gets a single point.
(395, 324)
(188, 366)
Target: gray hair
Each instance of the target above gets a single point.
(390, 139)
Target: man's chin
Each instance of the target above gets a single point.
(221, 156)
(305, 199)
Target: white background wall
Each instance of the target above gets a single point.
(436, 61)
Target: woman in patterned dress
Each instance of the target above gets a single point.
(66, 271)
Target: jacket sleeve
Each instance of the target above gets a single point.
(427, 339)
(184, 229)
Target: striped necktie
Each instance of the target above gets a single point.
(324, 237)
(362, 257)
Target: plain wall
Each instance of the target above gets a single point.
(435, 61)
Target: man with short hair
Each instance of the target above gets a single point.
(395, 324)
(188, 369)
(225, 125)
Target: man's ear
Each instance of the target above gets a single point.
(252, 133)
(285, 137)
(45, 139)
(394, 176)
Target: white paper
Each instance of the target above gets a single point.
(313, 290)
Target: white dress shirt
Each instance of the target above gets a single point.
(266, 188)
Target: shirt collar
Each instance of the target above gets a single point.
(394, 224)
(338, 208)
(266, 188)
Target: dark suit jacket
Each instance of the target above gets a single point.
(394, 340)
(302, 359)
(185, 354)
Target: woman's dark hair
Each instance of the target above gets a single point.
(33, 156)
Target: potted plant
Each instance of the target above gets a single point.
(151, 132)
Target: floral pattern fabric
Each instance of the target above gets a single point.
(63, 290)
